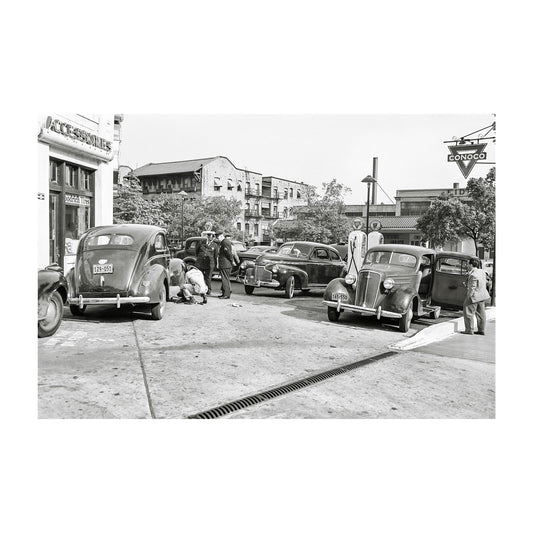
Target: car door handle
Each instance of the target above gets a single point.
(452, 287)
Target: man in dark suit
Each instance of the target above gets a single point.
(225, 262)
(206, 258)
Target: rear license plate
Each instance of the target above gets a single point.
(103, 269)
(339, 296)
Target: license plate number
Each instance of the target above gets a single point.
(103, 269)
(339, 296)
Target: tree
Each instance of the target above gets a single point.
(131, 207)
(479, 217)
(322, 220)
(449, 219)
(441, 222)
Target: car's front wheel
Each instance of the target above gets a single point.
(249, 289)
(289, 287)
(405, 320)
(54, 314)
(158, 310)
(333, 314)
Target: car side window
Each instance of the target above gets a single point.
(160, 242)
(192, 247)
(321, 253)
(449, 265)
(334, 256)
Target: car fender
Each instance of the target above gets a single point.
(398, 300)
(49, 282)
(285, 271)
(339, 286)
(149, 282)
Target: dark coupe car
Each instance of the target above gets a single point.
(401, 282)
(121, 264)
(295, 265)
(52, 293)
(254, 252)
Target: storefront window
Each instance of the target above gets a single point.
(85, 179)
(71, 175)
(54, 172)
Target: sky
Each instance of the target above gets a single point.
(314, 148)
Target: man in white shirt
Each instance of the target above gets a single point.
(194, 284)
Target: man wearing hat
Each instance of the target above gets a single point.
(225, 262)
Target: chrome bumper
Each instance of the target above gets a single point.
(117, 301)
(378, 312)
(274, 284)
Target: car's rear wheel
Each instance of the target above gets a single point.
(158, 310)
(76, 310)
(289, 287)
(405, 320)
(54, 314)
(333, 314)
(249, 289)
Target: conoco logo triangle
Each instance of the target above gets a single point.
(466, 156)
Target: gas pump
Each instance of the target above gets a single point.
(357, 246)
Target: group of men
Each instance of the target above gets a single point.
(216, 251)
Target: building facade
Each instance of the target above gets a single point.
(398, 221)
(264, 199)
(76, 155)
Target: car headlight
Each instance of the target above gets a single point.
(388, 283)
(350, 279)
(275, 268)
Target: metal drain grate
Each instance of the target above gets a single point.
(270, 394)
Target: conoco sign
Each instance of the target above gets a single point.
(466, 156)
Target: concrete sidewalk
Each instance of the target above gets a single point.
(448, 334)
(474, 347)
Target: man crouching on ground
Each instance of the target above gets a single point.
(194, 284)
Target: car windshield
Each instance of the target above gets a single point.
(390, 258)
(256, 249)
(295, 250)
(109, 240)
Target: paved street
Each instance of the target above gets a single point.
(117, 364)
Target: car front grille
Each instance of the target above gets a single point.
(367, 289)
(262, 274)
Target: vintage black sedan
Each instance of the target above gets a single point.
(294, 266)
(52, 291)
(121, 264)
(400, 282)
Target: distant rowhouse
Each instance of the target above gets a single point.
(265, 199)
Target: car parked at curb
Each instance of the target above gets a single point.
(401, 282)
(121, 264)
(52, 293)
(298, 265)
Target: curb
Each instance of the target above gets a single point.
(437, 332)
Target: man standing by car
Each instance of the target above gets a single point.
(206, 259)
(225, 262)
(476, 295)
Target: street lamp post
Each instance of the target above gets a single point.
(368, 180)
(183, 195)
